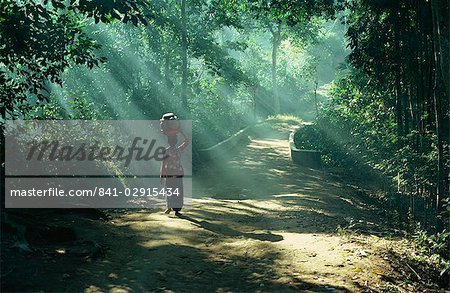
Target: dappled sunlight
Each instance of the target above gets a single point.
(273, 226)
(360, 88)
(307, 192)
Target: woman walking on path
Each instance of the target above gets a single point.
(172, 174)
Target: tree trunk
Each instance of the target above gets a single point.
(399, 106)
(167, 71)
(441, 114)
(184, 65)
(398, 93)
(316, 84)
(276, 40)
(443, 58)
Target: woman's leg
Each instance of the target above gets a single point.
(175, 201)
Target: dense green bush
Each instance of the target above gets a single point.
(434, 249)
(356, 130)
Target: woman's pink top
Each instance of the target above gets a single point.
(171, 166)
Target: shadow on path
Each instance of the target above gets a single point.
(227, 231)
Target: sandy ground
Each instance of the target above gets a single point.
(258, 223)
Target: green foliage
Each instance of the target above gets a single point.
(434, 248)
(284, 118)
(36, 45)
(292, 12)
(229, 79)
(82, 109)
(389, 113)
(40, 40)
(357, 131)
(351, 128)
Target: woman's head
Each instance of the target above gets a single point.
(172, 140)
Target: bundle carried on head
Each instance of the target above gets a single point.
(169, 124)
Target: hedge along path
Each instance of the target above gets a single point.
(258, 223)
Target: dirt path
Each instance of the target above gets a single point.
(258, 223)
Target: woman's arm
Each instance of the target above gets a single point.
(185, 143)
